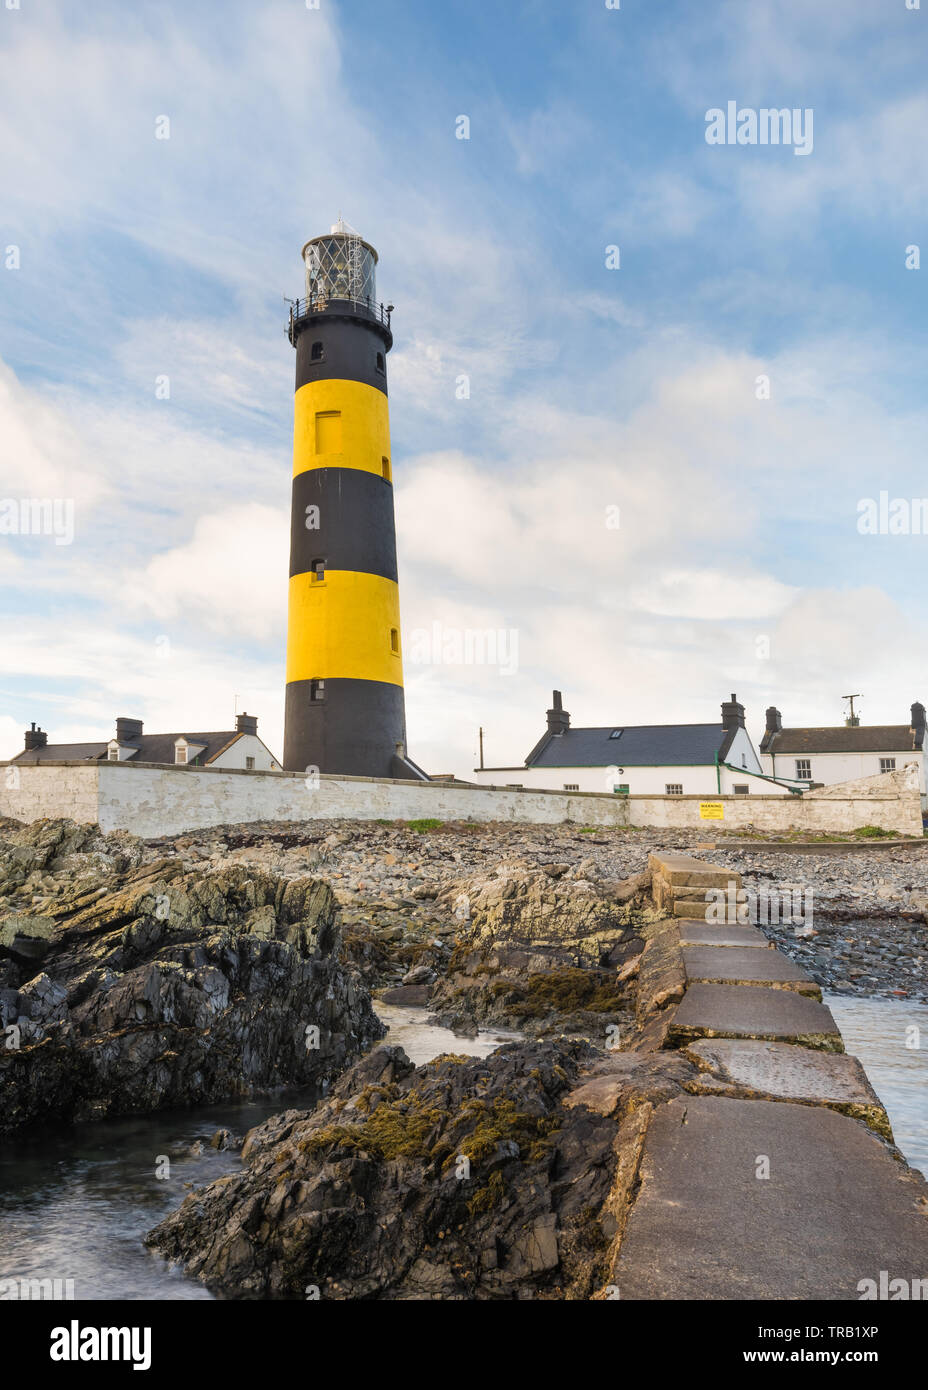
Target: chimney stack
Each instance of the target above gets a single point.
(36, 738)
(732, 714)
(246, 723)
(558, 718)
(918, 724)
(128, 730)
(774, 720)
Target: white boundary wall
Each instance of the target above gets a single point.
(153, 800)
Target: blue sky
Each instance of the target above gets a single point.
(737, 565)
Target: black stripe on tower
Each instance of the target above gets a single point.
(354, 512)
(350, 348)
(355, 728)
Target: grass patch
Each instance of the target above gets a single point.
(875, 832)
(422, 826)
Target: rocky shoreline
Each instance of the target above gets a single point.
(130, 983)
(136, 975)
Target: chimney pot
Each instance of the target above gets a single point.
(36, 738)
(774, 720)
(558, 717)
(246, 723)
(128, 730)
(732, 714)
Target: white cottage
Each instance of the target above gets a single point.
(843, 753)
(642, 759)
(236, 748)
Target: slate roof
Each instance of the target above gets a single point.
(62, 752)
(152, 748)
(865, 738)
(643, 745)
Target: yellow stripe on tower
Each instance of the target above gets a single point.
(340, 424)
(344, 626)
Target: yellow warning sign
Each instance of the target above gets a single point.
(711, 810)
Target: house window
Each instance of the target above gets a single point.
(744, 759)
(673, 789)
(328, 431)
(250, 764)
(571, 786)
(316, 354)
(395, 640)
(804, 769)
(385, 469)
(616, 733)
(317, 690)
(113, 755)
(740, 788)
(887, 764)
(380, 363)
(318, 571)
(180, 755)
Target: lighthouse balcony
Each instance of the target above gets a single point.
(306, 311)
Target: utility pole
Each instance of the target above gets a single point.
(853, 720)
(481, 746)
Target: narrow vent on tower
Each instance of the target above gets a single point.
(385, 469)
(316, 353)
(394, 640)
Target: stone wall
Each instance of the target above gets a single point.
(155, 800)
(900, 812)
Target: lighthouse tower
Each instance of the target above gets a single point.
(345, 709)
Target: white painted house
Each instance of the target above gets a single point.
(641, 760)
(226, 748)
(844, 753)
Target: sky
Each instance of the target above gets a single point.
(641, 390)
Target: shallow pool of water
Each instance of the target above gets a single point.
(876, 1031)
(77, 1200)
(422, 1041)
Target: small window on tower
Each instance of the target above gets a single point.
(328, 432)
(317, 690)
(317, 354)
(394, 640)
(318, 571)
(380, 363)
(385, 469)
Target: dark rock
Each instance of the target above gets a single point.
(175, 987)
(464, 1179)
(406, 994)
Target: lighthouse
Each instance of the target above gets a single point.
(345, 707)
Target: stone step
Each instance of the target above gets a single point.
(695, 933)
(693, 908)
(836, 1209)
(681, 871)
(782, 1071)
(733, 1011)
(746, 965)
